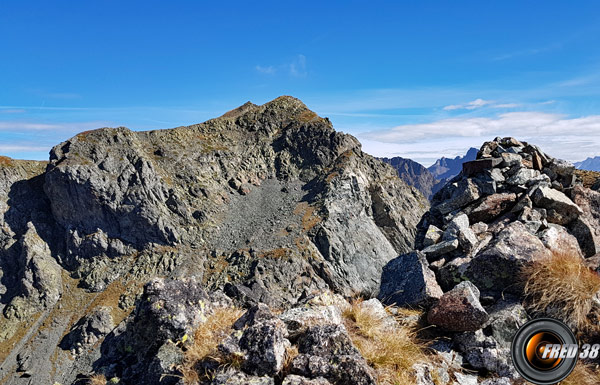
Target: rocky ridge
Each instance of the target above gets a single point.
(512, 206)
(414, 174)
(266, 204)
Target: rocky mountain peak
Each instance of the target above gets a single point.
(265, 204)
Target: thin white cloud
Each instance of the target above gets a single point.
(477, 103)
(298, 66)
(12, 111)
(507, 105)
(20, 126)
(557, 134)
(269, 70)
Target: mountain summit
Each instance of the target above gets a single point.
(265, 204)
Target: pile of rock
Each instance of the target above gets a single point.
(511, 206)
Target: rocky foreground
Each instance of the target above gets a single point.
(264, 247)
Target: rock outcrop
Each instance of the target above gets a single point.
(266, 204)
(414, 174)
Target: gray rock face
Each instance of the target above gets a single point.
(496, 268)
(265, 344)
(327, 351)
(233, 377)
(561, 210)
(459, 309)
(587, 227)
(265, 203)
(89, 330)
(407, 280)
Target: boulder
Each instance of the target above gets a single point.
(435, 251)
(299, 319)
(293, 379)
(490, 207)
(587, 227)
(459, 309)
(522, 176)
(235, 377)
(559, 241)
(533, 219)
(459, 228)
(509, 160)
(408, 281)
(489, 348)
(477, 166)
(327, 351)
(89, 330)
(465, 379)
(432, 236)
(461, 194)
(265, 344)
(561, 210)
(496, 268)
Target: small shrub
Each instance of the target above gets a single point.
(206, 339)
(391, 351)
(583, 375)
(561, 287)
(97, 379)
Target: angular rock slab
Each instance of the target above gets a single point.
(497, 267)
(459, 309)
(561, 210)
(408, 280)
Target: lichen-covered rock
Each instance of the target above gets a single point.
(558, 240)
(41, 280)
(407, 280)
(587, 227)
(327, 351)
(496, 268)
(491, 207)
(172, 308)
(459, 309)
(233, 377)
(293, 379)
(299, 319)
(265, 345)
(89, 330)
(489, 348)
(561, 210)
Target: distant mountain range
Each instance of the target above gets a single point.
(429, 180)
(590, 164)
(447, 168)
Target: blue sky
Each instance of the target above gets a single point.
(420, 79)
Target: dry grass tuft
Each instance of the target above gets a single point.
(583, 375)
(97, 379)
(206, 339)
(391, 351)
(561, 287)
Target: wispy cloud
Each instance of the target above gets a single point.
(477, 103)
(12, 111)
(54, 94)
(296, 67)
(528, 52)
(559, 135)
(265, 70)
(21, 126)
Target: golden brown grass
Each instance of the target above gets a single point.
(561, 287)
(583, 375)
(97, 379)
(391, 351)
(206, 339)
